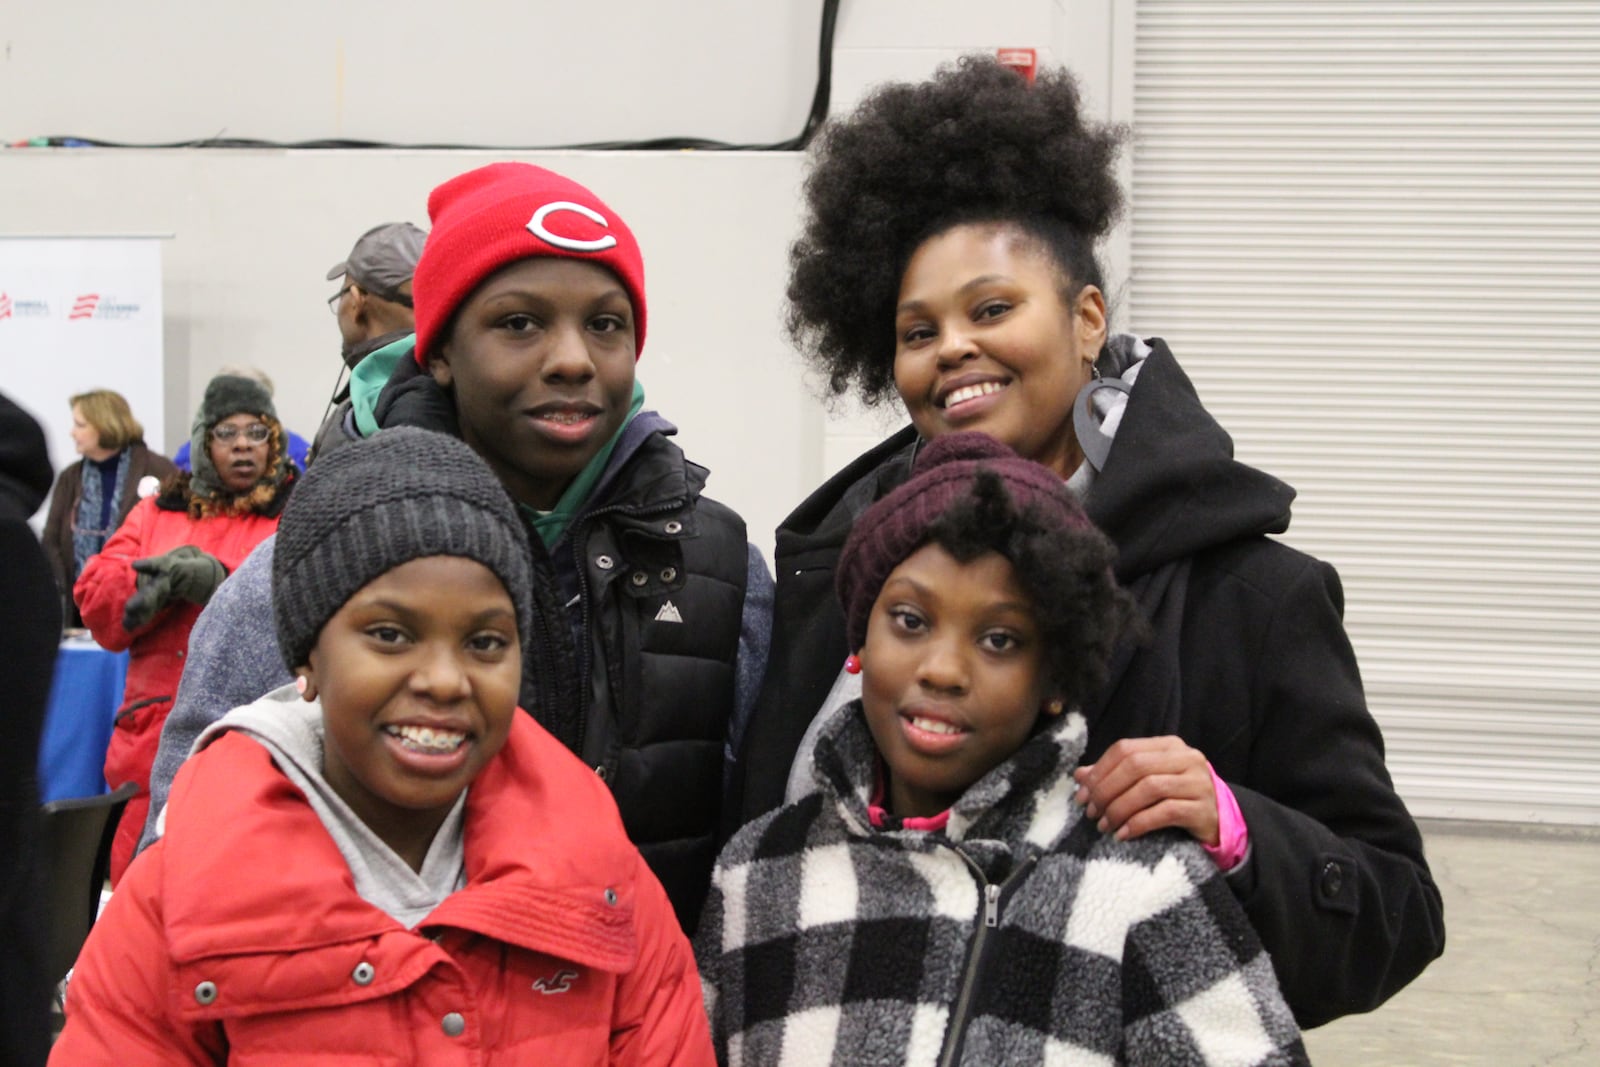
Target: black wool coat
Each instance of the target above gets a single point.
(1249, 663)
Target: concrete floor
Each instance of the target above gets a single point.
(1519, 981)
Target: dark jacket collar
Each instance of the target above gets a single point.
(413, 398)
(824, 518)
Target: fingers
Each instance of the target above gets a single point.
(139, 610)
(1129, 761)
(1160, 801)
(1188, 815)
(1150, 783)
(153, 591)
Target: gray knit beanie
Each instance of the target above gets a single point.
(367, 507)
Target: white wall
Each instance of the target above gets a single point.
(254, 231)
(535, 73)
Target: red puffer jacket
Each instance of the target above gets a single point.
(157, 650)
(239, 937)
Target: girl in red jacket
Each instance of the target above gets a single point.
(145, 588)
(384, 862)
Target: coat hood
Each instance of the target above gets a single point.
(1170, 487)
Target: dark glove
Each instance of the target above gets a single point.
(185, 573)
(152, 592)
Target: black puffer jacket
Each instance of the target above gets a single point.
(1249, 663)
(662, 576)
(639, 675)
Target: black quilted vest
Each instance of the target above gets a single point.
(662, 573)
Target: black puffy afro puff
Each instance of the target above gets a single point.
(975, 143)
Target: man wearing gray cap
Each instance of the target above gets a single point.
(373, 306)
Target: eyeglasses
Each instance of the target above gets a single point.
(255, 433)
(337, 298)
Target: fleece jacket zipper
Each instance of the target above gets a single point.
(994, 898)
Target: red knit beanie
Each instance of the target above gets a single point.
(495, 215)
(895, 527)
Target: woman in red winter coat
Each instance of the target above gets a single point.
(145, 589)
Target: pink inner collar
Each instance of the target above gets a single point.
(880, 816)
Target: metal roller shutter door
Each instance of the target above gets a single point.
(1371, 233)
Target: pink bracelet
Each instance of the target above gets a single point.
(1233, 836)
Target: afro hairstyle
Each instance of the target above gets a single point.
(974, 144)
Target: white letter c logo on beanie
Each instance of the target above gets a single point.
(599, 244)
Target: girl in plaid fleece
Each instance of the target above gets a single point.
(939, 899)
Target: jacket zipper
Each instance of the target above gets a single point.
(993, 899)
(579, 534)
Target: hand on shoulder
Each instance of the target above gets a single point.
(1143, 784)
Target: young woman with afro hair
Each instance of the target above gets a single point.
(948, 260)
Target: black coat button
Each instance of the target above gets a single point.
(1332, 880)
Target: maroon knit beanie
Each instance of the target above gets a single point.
(495, 215)
(895, 527)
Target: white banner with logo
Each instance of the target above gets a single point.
(78, 314)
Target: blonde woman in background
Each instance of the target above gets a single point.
(93, 496)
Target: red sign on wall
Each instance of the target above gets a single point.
(1025, 61)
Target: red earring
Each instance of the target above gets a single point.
(852, 664)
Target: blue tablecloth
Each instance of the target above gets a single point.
(84, 698)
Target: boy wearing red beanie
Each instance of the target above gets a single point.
(652, 609)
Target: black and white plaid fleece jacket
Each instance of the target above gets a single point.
(1018, 935)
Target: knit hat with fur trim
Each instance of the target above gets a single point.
(895, 527)
(227, 395)
(498, 214)
(366, 508)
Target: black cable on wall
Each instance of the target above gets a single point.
(814, 121)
